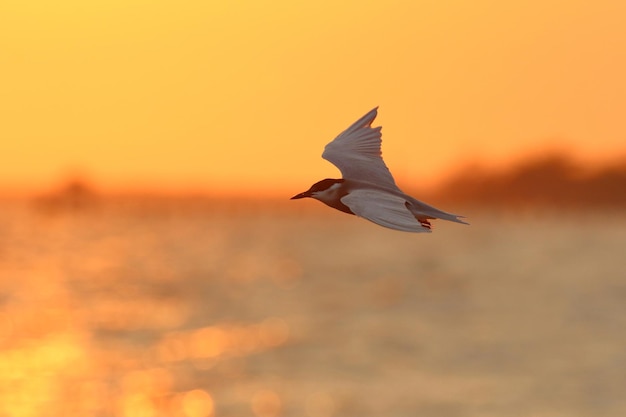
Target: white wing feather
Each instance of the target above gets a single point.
(384, 209)
(356, 152)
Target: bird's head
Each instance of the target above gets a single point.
(320, 189)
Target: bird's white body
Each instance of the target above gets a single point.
(367, 188)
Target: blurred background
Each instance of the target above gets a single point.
(152, 265)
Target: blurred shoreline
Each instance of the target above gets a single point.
(553, 180)
(549, 182)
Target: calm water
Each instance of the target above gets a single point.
(193, 311)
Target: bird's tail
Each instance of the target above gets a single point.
(424, 211)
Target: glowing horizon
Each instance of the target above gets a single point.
(225, 96)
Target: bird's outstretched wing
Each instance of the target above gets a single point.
(356, 152)
(384, 209)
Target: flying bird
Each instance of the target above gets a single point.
(367, 188)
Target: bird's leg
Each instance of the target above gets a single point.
(425, 223)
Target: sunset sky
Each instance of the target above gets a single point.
(242, 96)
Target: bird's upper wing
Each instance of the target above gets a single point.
(356, 152)
(383, 208)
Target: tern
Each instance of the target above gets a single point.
(367, 188)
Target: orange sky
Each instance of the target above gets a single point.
(233, 94)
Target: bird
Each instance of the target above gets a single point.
(367, 188)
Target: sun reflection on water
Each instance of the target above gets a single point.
(94, 322)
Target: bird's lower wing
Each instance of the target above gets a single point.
(384, 209)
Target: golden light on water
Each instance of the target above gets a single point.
(266, 403)
(224, 340)
(138, 405)
(52, 363)
(320, 404)
(208, 342)
(197, 403)
(273, 331)
(139, 309)
(151, 382)
(172, 348)
(31, 371)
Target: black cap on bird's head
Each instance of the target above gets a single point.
(322, 185)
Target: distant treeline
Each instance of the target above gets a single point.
(552, 180)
